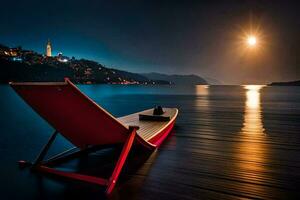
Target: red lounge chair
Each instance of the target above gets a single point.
(86, 125)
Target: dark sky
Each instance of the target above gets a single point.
(182, 37)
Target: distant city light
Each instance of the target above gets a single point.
(17, 59)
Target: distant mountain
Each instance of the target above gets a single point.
(17, 64)
(213, 81)
(290, 83)
(79, 71)
(177, 79)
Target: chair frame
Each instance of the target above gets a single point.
(43, 166)
(127, 140)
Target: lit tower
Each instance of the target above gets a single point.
(48, 49)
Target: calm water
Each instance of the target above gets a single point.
(229, 142)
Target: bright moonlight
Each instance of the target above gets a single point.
(251, 41)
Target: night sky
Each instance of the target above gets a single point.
(182, 37)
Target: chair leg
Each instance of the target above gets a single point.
(58, 157)
(125, 151)
(42, 154)
(73, 175)
(61, 156)
(45, 149)
(110, 183)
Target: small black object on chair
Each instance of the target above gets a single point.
(158, 110)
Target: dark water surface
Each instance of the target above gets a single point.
(229, 142)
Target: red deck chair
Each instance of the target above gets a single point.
(86, 125)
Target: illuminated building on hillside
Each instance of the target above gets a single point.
(48, 49)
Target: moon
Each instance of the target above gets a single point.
(251, 41)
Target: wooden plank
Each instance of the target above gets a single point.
(148, 129)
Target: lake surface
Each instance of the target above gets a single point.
(229, 142)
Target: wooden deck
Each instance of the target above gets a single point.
(148, 129)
